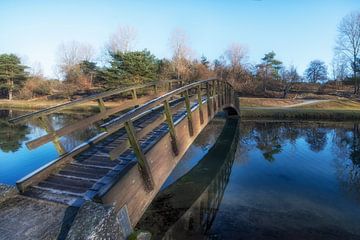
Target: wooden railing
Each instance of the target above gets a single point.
(103, 111)
(203, 90)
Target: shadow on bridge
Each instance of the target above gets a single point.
(188, 207)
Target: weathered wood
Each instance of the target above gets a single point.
(125, 145)
(70, 104)
(101, 105)
(143, 165)
(188, 113)
(199, 96)
(84, 123)
(133, 93)
(171, 126)
(129, 190)
(43, 172)
(208, 99)
(131, 114)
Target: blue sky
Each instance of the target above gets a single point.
(297, 30)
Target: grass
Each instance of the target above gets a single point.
(338, 109)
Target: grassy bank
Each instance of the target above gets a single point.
(305, 114)
(334, 109)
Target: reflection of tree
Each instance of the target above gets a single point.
(11, 137)
(268, 140)
(355, 146)
(349, 169)
(316, 138)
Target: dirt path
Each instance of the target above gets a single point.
(306, 102)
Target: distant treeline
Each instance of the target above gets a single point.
(77, 69)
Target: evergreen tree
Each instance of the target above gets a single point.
(12, 73)
(269, 68)
(129, 68)
(205, 61)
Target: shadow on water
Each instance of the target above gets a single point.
(191, 203)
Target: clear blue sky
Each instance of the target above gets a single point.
(297, 30)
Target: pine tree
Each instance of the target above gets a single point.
(12, 73)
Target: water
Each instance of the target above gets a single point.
(16, 160)
(266, 180)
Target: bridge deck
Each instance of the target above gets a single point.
(93, 168)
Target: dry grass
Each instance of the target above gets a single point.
(268, 102)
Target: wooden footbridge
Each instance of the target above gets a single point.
(135, 151)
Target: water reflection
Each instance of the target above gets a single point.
(191, 203)
(16, 160)
(289, 180)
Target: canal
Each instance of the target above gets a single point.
(246, 179)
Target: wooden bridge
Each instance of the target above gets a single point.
(135, 151)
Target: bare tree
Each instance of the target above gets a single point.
(123, 40)
(181, 56)
(339, 68)
(348, 43)
(316, 71)
(289, 77)
(236, 55)
(70, 55)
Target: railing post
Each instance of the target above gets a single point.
(218, 92)
(213, 92)
(226, 93)
(208, 98)
(155, 89)
(171, 125)
(188, 110)
(170, 86)
(133, 93)
(144, 167)
(200, 104)
(222, 93)
(101, 105)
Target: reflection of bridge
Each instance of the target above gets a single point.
(126, 164)
(188, 207)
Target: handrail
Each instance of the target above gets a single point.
(132, 113)
(84, 100)
(217, 94)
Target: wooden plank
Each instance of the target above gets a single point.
(84, 123)
(143, 165)
(170, 122)
(199, 96)
(77, 102)
(43, 172)
(101, 105)
(131, 114)
(188, 113)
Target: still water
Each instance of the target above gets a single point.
(263, 180)
(16, 160)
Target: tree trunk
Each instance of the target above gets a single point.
(10, 91)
